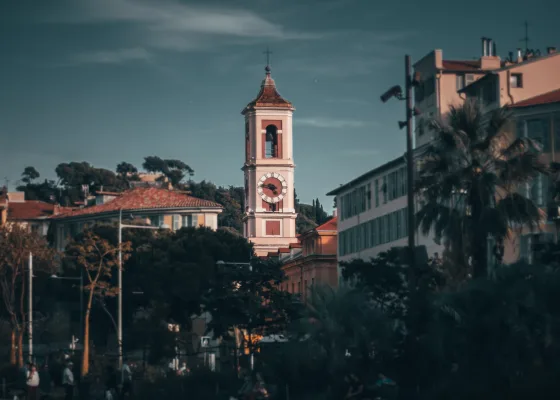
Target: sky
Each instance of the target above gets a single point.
(106, 81)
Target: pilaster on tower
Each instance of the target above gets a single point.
(270, 217)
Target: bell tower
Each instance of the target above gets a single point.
(270, 218)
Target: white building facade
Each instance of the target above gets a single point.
(372, 214)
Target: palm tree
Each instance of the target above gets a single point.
(469, 179)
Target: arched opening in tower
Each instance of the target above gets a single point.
(271, 144)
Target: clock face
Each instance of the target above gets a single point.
(272, 187)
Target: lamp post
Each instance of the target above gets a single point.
(81, 279)
(30, 305)
(235, 328)
(396, 91)
(120, 296)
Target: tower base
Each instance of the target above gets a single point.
(263, 246)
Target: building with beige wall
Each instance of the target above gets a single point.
(312, 261)
(158, 207)
(372, 219)
(33, 214)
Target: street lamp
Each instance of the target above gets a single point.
(396, 91)
(81, 279)
(120, 297)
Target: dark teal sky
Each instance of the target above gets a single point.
(106, 81)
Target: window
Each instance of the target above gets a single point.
(385, 189)
(469, 78)
(516, 80)
(176, 222)
(190, 221)
(377, 192)
(271, 142)
(156, 220)
(460, 82)
(368, 195)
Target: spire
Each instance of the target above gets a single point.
(268, 96)
(267, 68)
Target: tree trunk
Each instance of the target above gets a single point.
(480, 256)
(20, 348)
(85, 354)
(13, 346)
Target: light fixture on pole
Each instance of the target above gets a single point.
(81, 279)
(120, 266)
(411, 111)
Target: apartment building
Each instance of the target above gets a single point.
(372, 207)
(372, 210)
(158, 207)
(31, 214)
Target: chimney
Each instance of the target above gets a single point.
(550, 50)
(490, 44)
(334, 213)
(484, 48)
(511, 56)
(519, 55)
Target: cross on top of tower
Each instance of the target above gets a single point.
(268, 53)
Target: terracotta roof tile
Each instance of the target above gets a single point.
(461, 65)
(272, 254)
(545, 98)
(143, 199)
(330, 225)
(30, 209)
(284, 250)
(268, 96)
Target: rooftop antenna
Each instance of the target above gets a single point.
(7, 183)
(526, 38)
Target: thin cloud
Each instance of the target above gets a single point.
(119, 56)
(171, 25)
(329, 123)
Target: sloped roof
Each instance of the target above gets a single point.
(268, 96)
(29, 209)
(143, 199)
(545, 98)
(330, 225)
(461, 65)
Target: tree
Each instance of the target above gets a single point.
(29, 175)
(174, 170)
(127, 172)
(16, 245)
(469, 180)
(97, 258)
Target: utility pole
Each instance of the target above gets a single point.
(120, 296)
(410, 169)
(30, 311)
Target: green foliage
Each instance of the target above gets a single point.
(250, 299)
(174, 170)
(465, 168)
(179, 268)
(231, 198)
(29, 174)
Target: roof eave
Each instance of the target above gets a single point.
(152, 209)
